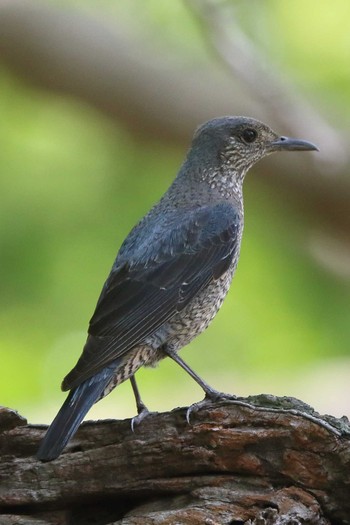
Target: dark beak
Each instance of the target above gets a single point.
(290, 144)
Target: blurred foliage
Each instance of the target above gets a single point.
(73, 184)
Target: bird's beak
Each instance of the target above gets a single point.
(290, 144)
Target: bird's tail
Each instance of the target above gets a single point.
(72, 412)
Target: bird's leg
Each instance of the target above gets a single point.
(139, 403)
(211, 395)
(142, 410)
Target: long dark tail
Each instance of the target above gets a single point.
(72, 412)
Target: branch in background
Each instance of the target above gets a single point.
(275, 94)
(68, 51)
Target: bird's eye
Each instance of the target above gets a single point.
(249, 135)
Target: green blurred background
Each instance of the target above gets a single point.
(77, 172)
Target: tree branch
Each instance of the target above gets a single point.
(234, 463)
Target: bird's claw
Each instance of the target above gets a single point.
(136, 420)
(210, 398)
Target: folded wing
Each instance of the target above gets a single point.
(141, 294)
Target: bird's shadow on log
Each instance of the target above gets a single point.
(260, 458)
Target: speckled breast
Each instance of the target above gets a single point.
(196, 317)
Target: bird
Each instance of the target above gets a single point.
(171, 274)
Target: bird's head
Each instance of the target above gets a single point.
(236, 143)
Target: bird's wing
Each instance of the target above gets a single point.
(141, 295)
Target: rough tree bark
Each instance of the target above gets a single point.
(260, 461)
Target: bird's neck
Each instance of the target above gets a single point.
(204, 185)
(217, 176)
(225, 182)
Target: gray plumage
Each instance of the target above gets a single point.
(172, 272)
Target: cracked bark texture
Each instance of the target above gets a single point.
(265, 461)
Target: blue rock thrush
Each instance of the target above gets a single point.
(172, 272)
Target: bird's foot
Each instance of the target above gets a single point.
(142, 414)
(210, 397)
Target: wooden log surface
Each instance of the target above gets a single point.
(260, 461)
